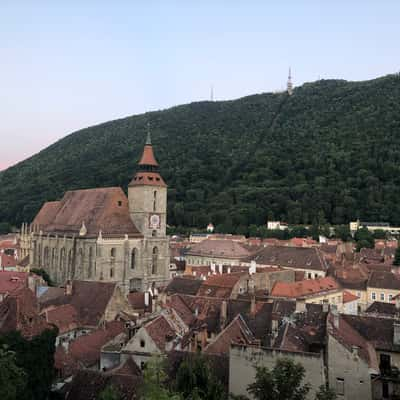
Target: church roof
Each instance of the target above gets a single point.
(103, 209)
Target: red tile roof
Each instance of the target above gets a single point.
(65, 317)
(104, 209)
(384, 280)
(11, 281)
(19, 312)
(86, 349)
(148, 156)
(348, 297)
(308, 287)
(181, 308)
(136, 300)
(158, 330)
(236, 332)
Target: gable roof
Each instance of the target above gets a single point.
(103, 209)
(158, 329)
(381, 308)
(308, 287)
(220, 285)
(65, 317)
(11, 281)
(236, 332)
(290, 257)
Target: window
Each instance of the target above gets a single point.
(142, 365)
(154, 261)
(340, 386)
(309, 275)
(90, 269)
(113, 252)
(373, 296)
(154, 200)
(119, 203)
(142, 343)
(133, 259)
(111, 272)
(382, 296)
(390, 297)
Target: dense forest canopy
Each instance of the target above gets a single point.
(331, 150)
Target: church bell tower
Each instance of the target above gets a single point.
(147, 194)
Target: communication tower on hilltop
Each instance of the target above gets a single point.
(289, 83)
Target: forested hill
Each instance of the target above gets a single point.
(331, 150)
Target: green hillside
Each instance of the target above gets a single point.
(332, 150)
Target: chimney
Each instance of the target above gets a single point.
(169, 342)
(335, 316)
(220, 268)
(146, 299)
(253, 305)
(397, 304)
(229, 270)
(396, 333)
(253, 267)
(325, 306)
(224, 313)
(196, 312)
(213, 268)
(300, 305)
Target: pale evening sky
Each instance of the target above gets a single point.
(66, 65)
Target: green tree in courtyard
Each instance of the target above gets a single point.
(283, 382)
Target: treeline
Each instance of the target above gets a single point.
(330, 151)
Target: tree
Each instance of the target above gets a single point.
(109, 393)
(12, 377)
(154, 377)
(364, 238)
(324, 393)
(5, 227)
(36, 358)
(343, 232)
(195, 380)
(41, 272)
(283, 382)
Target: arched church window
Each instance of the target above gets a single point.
(46, 257)
(54, 258)
(113, 253)
(62, 259)
(154, 200)
(90, 269)
(71, 266)
(133, 259)
(154, 261)
(111, 272)
(80, 261)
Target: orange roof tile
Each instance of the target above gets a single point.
(348, 297)
(304, 288)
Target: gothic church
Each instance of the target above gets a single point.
(100, 234)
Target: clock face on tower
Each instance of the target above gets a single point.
(154, 221)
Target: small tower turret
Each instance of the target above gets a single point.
(289, 83)
(147, 194)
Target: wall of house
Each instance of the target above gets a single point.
(140, 348)
(347, 371)
(362, 294)
(109, 360)
(333, 297)
(206, 260)
(387, 294)
(242, 360)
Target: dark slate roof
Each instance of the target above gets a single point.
(384, 280)
(183, 285)
(290, 257)
(378, 307)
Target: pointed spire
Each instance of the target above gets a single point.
(148, 139)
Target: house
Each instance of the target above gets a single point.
(19, 311)
(307, 260)
(316, 291)
(216, 251)
(382, 286)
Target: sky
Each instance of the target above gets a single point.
(69, 64)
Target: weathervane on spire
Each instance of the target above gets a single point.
(289, 83)
(148, 139)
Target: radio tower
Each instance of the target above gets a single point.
(289, 83)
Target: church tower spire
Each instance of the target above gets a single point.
(147, 194)
(289, 83)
